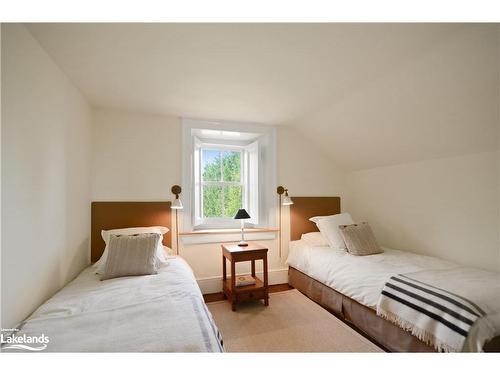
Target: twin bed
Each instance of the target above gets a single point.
(351, 286)
(164, 312)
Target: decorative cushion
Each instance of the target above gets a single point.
(160, 252)
(359, 239)
(131, 255)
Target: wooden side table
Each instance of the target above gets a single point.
(234, 254)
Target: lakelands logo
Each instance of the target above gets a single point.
(23, 342)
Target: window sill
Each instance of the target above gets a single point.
(228, 231)
(227, 235)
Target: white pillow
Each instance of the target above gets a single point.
(168, 251)
(160, 253)
(329, 227)
(129, 231)
(315, 239)
(316, 219)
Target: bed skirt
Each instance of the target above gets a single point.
(382, 331)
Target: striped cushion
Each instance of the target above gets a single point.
(359, 239)
(131, 255)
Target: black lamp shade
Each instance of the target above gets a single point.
(242, 214)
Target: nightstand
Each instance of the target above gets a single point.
(235, 254)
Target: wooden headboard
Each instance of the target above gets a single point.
(305, 207)
(114, 215)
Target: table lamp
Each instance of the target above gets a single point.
(242, 215)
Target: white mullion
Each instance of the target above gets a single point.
(224, 183)
(200, 179)
(243, 177)
(221, 168)
(222, 194)
(221, 180)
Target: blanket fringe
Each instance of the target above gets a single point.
(421, 334)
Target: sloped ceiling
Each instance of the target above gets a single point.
(366, 94)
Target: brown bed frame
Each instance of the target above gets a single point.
(114, 215)
(364, 319)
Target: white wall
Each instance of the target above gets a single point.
(304, 169)
(443, 102)
(420, 144)
(498, 168)
(0, 173)
(137, 157)
(443, 207)
(46, 147)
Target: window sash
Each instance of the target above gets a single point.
(221, 149)
(250, 159)
(222, 185)
(224, 220)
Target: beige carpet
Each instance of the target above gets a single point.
(291, 323)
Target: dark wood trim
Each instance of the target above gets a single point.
(280, 288)
(215, 297)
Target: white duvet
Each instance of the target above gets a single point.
(154, 313)
(362, 278)
(359, 277)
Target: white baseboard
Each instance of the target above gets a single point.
(214, 284)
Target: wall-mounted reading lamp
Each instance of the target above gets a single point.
(287, 201)
(176, 205)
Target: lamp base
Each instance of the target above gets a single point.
(242, 243)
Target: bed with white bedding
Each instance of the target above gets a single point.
(164, 312)
(358, 277)
(362, 278)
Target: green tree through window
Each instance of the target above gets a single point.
(221, 183)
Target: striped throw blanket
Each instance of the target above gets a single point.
(442, 317)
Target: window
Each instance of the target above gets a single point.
(226, 179)
(222, 179)
(227, 167)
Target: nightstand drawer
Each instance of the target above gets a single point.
(251, 296)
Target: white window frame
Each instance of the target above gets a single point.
(264, 210)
